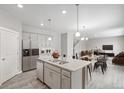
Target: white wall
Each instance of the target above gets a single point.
(117, 42)
(80, 46)
(67, 44)
(56, 35)
(10, 22)
(64, 43)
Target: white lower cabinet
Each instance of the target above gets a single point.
(52, 78)
(55, 79)
(59, 78)
(66, 82)
(40, 70)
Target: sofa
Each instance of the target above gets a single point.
(118, 59)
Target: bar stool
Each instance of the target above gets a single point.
(89, 67)
(103, 66)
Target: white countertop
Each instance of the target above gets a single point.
(72, 65)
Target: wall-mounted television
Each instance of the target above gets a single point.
(107, 47)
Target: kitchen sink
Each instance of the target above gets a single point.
(63, 62)
(58, 61)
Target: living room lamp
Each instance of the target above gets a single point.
(49, 38)
(77, 34)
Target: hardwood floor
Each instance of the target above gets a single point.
(26, 80)
(113, 78)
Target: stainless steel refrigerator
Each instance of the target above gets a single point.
(30, 52)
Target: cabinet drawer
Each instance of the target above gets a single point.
(52, 67)
(66, 73)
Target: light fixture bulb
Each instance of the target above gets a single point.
(42, 24)
(82, 38)
(64, 12)
(86, 38)
(77, 34)
(20, 5)
(49, 38)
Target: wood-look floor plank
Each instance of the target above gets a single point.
(112, 79)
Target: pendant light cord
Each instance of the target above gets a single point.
(49, 25)
(77, 16)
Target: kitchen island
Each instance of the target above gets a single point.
(60, 74)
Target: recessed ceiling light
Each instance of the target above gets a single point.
(64, 12)
(49, 38)
(20, 5)
(42, 24)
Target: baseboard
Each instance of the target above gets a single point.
(19, 72)
(0, 83)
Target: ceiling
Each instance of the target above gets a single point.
(99, 20)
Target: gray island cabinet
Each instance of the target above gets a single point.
(71, 75)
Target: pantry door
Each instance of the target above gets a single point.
(9, 54)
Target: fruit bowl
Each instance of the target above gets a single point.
(55, 54)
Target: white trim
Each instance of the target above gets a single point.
(19, 72)
(6, 29)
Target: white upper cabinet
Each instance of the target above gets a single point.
(26, 44)
(26, 40)
(34, 37)
(30, 40)
(34, 41)
(34, 44)
(26, 36)
(41, 40)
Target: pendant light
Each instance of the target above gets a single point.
(49, 38)
(86, 38)
(82, 38)
(77, 34)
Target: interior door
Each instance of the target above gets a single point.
(9, 54)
